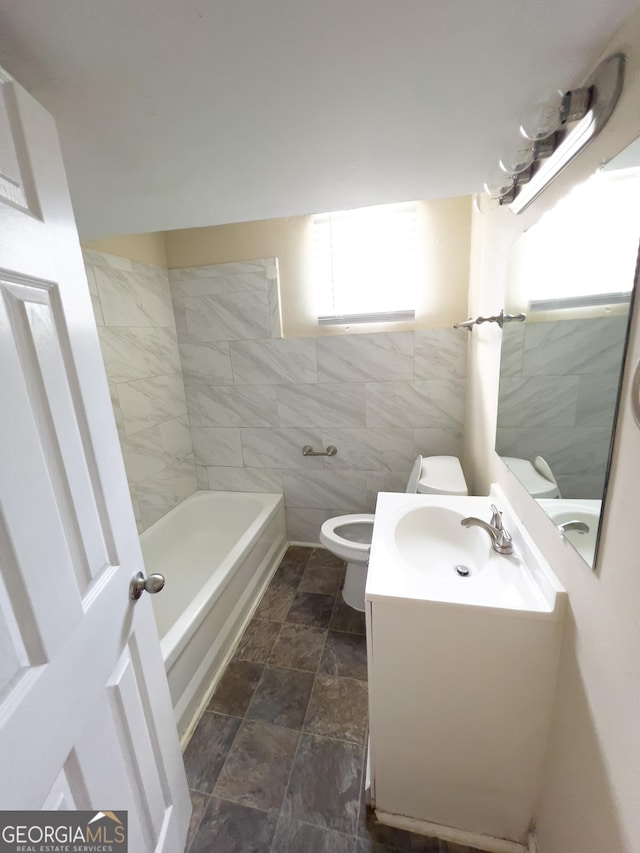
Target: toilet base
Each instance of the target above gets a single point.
(355, 582)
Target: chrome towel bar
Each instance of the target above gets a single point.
(307, 450)
(500, 319)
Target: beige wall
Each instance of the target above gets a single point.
(444, 224)
(589, 792)
(143, 248)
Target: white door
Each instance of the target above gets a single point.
(85, 715)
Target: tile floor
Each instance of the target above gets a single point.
(276, 762)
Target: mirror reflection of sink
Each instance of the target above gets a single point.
(421, 551)
(585, 511)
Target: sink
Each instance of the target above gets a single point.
(432, 539)
(421, 551)
(588, 511)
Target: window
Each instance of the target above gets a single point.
(583, 252)
(365, 264)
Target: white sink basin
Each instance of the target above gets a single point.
(421, 551)
(561, 511)
(431, 539)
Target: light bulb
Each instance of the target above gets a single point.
(499, 184)
(542, 116)
(484, 203)
(518, 156)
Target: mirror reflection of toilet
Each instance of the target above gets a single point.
(349, 536)
(535, 476)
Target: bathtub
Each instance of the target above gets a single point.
(217, 552)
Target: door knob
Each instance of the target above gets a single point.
(140, 584)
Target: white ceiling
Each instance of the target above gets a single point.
(179, 113)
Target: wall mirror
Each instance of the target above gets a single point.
(573, 273)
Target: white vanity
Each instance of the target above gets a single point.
(463, 647)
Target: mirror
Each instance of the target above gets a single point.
(573, 274)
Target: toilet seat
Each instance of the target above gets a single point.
(335, 535)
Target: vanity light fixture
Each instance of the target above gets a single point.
(550, 136)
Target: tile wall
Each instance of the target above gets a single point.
(254, 398)
(558, 388)
(136, 325)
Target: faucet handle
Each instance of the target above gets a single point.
(496, 518)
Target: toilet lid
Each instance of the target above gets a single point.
(442, 475)
(533, 481)
(414, 476)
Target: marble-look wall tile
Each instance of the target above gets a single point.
(273, 297)
(441, 354)
(512, 351)
(583, 486)
(327, 404)
(128, 299)
(142, 360)
(303, 525)
(427, 403)
(216, 446)
(574, 451)
(244, 405)
(144, 454)
(227, 317)
(274, 362)
(317, 489)
(147, 402)
(597, 396)
(245, 479)
(366, 358)
(202, 477)
(386, 482)
(537, 401)
(371, 449)
(574, 346)
(506, 441)
(206, 363)
(280, 448)
(438, 442)
(160, 493)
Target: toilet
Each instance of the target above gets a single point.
(349, 536)
(535, 476)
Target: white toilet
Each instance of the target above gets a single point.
(349, 536)
(535, 476)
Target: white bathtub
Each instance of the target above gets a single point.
(217, 552)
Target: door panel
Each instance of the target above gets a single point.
(85, 715)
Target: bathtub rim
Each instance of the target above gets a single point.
(188, 622)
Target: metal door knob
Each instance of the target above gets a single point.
(140, 584)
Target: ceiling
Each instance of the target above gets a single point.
(180, 113)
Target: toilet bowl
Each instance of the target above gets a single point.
(349, 536)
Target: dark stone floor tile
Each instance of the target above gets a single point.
(298, 647)
(325, 784)
(199, 803)
(233, 828)
(323, 557)
(323, 579)
(207, 750)
(236, 688)
(310, 608)
(258, 766)
(345, 655)
(282, 697)
(274, 604)
(295, 837)
(287, 577)
(345, 618)
(338, 709)
(257, 641)
(296, 554)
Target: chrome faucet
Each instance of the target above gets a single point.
(578, 526)
(500, 538)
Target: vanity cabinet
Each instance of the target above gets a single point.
(460, 703)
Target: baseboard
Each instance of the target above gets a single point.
(532, 847)
(455, 836)
(308, 545)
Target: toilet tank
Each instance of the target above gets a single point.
(437, 475)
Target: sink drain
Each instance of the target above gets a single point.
(463, 571)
